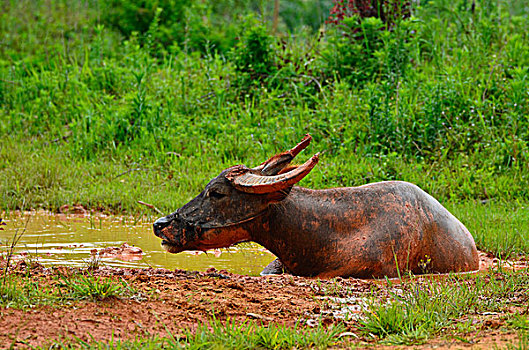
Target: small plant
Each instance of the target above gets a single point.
(519, 322)
(93, 288)
(94, 262)
(25, 291)
(11, 245)
(424, 264)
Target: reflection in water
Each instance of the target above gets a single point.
(69, 240)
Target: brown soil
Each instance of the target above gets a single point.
(175, 300)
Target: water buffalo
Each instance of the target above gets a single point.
(370, 231)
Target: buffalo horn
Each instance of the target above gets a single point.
(278, 162)
(252, 183)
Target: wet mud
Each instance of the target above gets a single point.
(174, 300)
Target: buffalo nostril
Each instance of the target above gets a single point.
(161, 224)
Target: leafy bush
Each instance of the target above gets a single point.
(254, 56)
(368, 39)
(93, 288)
(182, 24)
(264, 61)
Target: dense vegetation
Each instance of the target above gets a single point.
(106, 103)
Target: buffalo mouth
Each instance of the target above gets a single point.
(200, 246)
(171, 248)
(174, 249)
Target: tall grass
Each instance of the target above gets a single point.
(500, 228)
(90, 116)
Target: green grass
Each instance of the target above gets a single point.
(81, 287)
(23, 292)
(96, 116)
(520, 322)
(224, 335)
(522, 344)
(419, 310)
(26, 291)
(233, 335)
(498, 227)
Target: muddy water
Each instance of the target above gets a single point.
(71, 240)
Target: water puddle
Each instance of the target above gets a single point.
(70, 240)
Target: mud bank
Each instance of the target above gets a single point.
(166, 301)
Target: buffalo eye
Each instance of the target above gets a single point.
(215, 194)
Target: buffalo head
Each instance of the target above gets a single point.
(216, 217)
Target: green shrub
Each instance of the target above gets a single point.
(352, 47)
(362, 49)
(269, 65)
(182, 24)
(254, 56)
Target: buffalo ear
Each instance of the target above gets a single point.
(287, 169)
(276, 164)
(278, 196)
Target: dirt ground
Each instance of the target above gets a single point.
(166, 300)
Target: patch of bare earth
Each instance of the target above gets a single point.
(171, 301)
(165, 301)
